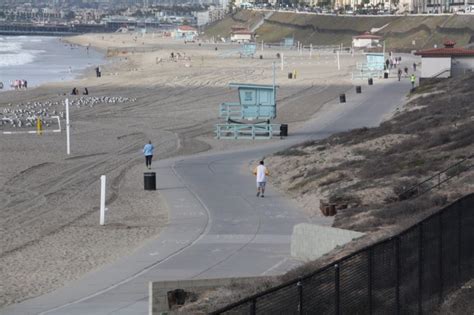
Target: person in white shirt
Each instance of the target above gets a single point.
(261, 172)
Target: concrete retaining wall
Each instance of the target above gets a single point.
(309, 241)
(158, 291)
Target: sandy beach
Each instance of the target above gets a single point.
(49, 201)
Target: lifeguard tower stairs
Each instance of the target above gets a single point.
(250, 117)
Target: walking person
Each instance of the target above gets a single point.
(148, 152)
(399, 74)
(261, 173)
(413, 80)
(414, 66)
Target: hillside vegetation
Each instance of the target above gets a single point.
(368, 169)
(243, 18)
(400, 32)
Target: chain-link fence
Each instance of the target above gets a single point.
(409, 273)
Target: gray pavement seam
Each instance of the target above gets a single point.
(238, 249)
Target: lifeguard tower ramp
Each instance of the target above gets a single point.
(250, 117)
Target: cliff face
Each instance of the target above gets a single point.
(400, 32)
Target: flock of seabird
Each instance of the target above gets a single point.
(26, 114)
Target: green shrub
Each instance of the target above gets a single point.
(458, 169)
(291, 152)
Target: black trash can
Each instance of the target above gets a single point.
(371, 81)
(358, 89)
(261, 56)
(385, 75)
(290, 75)
(150, 180)
(342, 98)
(283, 130)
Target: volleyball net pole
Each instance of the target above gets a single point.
(102, 200)
(68, 139)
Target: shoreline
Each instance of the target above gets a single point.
(44, 69)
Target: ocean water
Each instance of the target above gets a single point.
(41, 59)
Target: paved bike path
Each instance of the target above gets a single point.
(218, 227)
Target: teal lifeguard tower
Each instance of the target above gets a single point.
(372, 68)
(375, 61)
(288, 42)
(250, 117)
(248, 50)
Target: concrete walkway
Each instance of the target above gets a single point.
(218, 228)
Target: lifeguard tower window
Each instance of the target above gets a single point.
(249, 97)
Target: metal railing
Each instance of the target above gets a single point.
(441, 73)
(410, 273)
(239, 111)
(246, 131)
(438, 178)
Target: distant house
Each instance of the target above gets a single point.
(236, 28)
(186, 32)
(241, 36)
(438, 63)
(366, 40)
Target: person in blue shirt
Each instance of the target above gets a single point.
(148, 152)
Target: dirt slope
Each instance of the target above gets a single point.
(369, 168)
(400, 32)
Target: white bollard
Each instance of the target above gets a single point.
(102, 200)
(338, 62)
(68, 136)
(281, 61)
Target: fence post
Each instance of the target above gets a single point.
(253, 307)
(397, 266)
(440, 257)
(300, 294)
(420, 270)
(370, 280)
(336, 288)
(459, 242)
